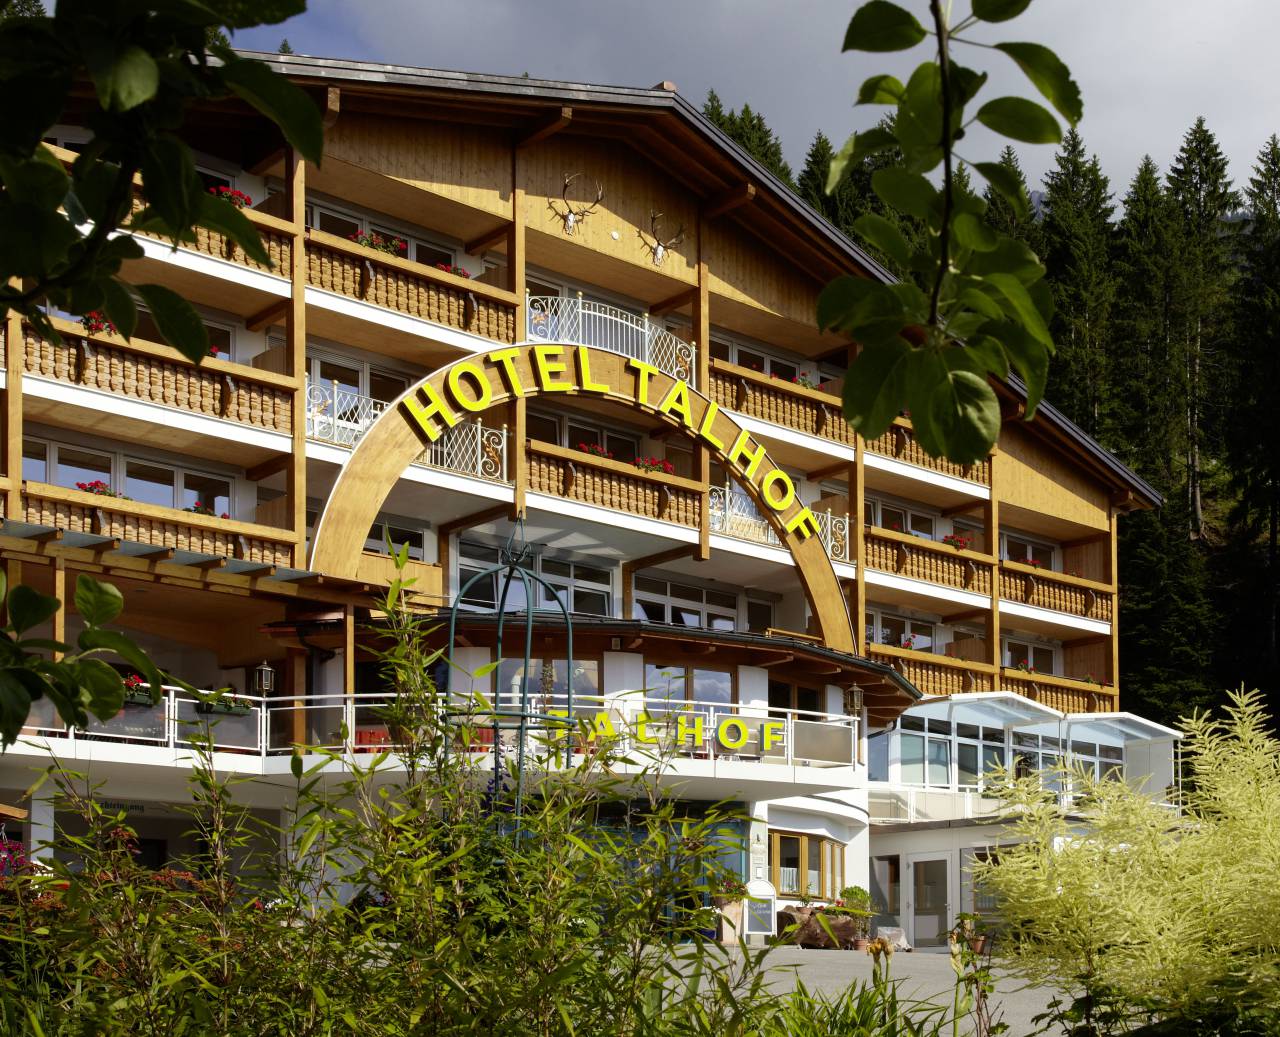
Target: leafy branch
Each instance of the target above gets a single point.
(976, 306)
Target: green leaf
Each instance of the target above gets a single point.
(884, 236)
(114, 641)
(986, 353)
(999, 10)
(39, 180)
(971, 232)
(1010, 256)
(98, 603)
(876, 386)
(881, 26)
(15, 704)
(1006, 184)
(119, 306)
(855, 149)
(220, 215)
(839, 297)
(1023, 307)
(172, 186)
(29, 608)
(129, 81)
(1051, 77)
(907, 192)
(918, 125)
(966, 415)
(177, 320)
(882, 89)
(105, 688)
(280, 101)
(1028, 355)
(1020, 119)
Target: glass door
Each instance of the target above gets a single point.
(930, 909)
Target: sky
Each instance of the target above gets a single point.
(1146, 68)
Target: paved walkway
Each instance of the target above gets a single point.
(923, 975)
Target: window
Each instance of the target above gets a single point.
(1032, 753)
(547, 683)
(573, 432)
(668, 685)
(1017, 548)
(899, 518)
(784, 696)
(1034, 658)
(755, 359)
(661, 601)
(344, 385)
(583, 588)
(35, 460)
(806, 865)
(886, 628)
(979, 754)
(334, 220)
(221, 336)
(1099, 761)
(399, 535)
(878, 756)
(924, 751)
(759, 616)
(75, 466)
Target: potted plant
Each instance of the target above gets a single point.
(225, 705)
(958, 541)
(655, 464)
(200, 508)
(453, 268)
(100, 488)
(389, 244)
(969, 929)
(229, 194)
(857, 901)
(595, 450)
(95, 322)
(728, 890)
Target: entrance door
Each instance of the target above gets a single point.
(929, 912)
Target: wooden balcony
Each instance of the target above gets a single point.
(579, 476)
(154, 373)
(899, 442)
(1061, 693)
(140, 523)
(936, 674)
(345, 268)
(792, 406)
(277, 239)
(1058, 592)
(919, 559)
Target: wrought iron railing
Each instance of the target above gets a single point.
(571, 318)
(342, 417)
(734, 514)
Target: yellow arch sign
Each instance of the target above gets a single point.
(475, 384)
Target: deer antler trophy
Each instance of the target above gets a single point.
(571, 217)
(658, 247)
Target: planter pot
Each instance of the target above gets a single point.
(233, 709)
(137, 698)
(859, 943)
(979, 944)
(729, 926)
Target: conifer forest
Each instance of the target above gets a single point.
(1167, 325)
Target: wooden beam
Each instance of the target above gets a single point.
(827, 471)
(106, 545)
(961, 617)
(1096, 538)
(332, 106)
(961, 509)
(209, 563)
(271, 156)
(782, 659)
(1123, 499)
(487, 240)
(674, 302)
(728, 200)
(296, 355)
(160, 554)
(273, 313)
(629, 569)
(474, 519)
(267, 468)
(549, 126)
(257, 571)
(46, 536)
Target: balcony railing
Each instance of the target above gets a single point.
(798, 407)
(899, 442)
(891, 804)
(138, 522)
(342, 417)
(734, 514)
(577, 475)
(660, 729)
(936, 674)
(920, 559)
(560, 318)
(1060, 693)
(1057, 592)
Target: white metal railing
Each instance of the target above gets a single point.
(470, 448)
(571, 318)
(673, 729)
(735, 514)
(339, 416)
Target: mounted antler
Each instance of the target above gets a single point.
(572, 217)
(659, 247)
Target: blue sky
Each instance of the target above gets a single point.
(1147, 68)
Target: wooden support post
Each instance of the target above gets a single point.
(857, 537)
(349, 652)
(515, 244)
(295, 678)
(296, 338)
(15, 351)
(1113, 578)
(702, 364)
(992, 516)
(635, 565)
(60, 592)
(518, 455)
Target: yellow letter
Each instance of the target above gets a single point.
(547, 369)
(677, 399)
(771, 733)
(643, 371)
(709, 419)
(584, 372)
(423, 415)
(558, 731)
(683, 728)
(601, 725)
(506, 357)
(484, 393)
(739, 449)
(643, 719)
(804, 523)
(766, 488)
(723, 731)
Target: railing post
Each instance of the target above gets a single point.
(171, 719)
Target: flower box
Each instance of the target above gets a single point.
(137, 696)
(224, 708)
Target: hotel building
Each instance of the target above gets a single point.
(582, 309)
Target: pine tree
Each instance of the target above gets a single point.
(23, 9)
(285, 47)
(1203, 202)
(1253, 433)
(749, 131)
(1002, 217)
(1077, 255)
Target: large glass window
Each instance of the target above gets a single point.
(785, 696)
(806, 865)
(1034, 658)
(668, 686)
(887, 628)
(664, 601)
(35, 460)
(150, 483)
(1018, 548)
(399, 535)
(924, 751)
(583, 588)
(547, 681)
(900, 518)
(78, 468)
